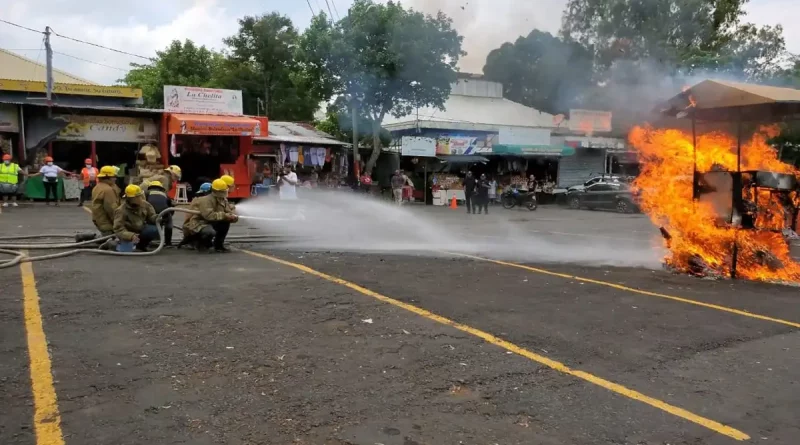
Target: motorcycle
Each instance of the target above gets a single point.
(514, 197)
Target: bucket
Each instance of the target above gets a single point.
(125, 246)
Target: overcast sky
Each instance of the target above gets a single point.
(152, 24)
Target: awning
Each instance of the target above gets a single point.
(462, 159)
(209, 125)
(532, 150)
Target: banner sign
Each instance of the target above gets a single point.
(107, 129)
(530, 150)
(9, 118)
(418, 146)
(32, 86)
(589, 121)
(194, 100)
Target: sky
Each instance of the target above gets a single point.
(153, 24)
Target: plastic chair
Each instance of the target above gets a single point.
(181, 194)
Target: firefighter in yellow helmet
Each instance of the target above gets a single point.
(134, 221)
(210, 226)
(231, 184)
(105, 200)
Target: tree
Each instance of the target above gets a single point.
(387, 59)
(541, 71)
(265, 66)
(179, 64)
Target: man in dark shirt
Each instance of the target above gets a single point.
(469, 191)
(482, 198)
(157, 197)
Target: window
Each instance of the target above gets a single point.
(600, 188)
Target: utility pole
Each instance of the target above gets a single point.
(49, 55)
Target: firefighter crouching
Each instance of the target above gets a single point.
(210, 227)
(157, 197)
(134, 221)
(105, 200)
(231, 183)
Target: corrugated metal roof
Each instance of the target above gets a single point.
(478, 112)
(16, 67)
(713, 94)
(298, 133)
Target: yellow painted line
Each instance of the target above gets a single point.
(634, 290)
(489, 338)
(46, 418)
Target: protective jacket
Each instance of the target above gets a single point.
(105, 200)
(130, 220)
(211, 208)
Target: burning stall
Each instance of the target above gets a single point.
(725, 202)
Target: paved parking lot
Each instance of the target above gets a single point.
(279, 346)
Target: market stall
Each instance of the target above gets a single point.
(448, 177)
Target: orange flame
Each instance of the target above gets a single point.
(665, 186)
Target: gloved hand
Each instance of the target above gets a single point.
(232, 217)
(135, 239)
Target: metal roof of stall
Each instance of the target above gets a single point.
(298, 133)
(717, 100)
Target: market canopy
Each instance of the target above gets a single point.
(717, 100)
(209, 125)
(462, 159)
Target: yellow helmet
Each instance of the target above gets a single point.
(133, 191)
(156, 184)
(219, 185)
(228, 180)
(175, 170)
(107, 172)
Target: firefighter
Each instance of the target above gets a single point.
(9, 180)
(105, 200)
(134, 221)
(231, 184)
(210, 227)
(157, 197)
(205, 188)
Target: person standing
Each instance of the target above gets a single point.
(9, 181)
(89, 177)
(105, 200)
(482, 198)
(469, 192)
(287, 182)
(399, 181)
(50, 173)
(493, 191)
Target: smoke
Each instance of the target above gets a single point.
(487, 24)
(349, 222)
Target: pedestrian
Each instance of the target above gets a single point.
(105, 200)
(399, 181)
(287, 181)
(9, 181)
(134, 221)
(492, 191)
(89, 177)
(482, 198)
(469, 192)
(210, 225)
(157, 197)
(50, 174)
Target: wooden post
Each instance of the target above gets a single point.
(93, 154)
(50, 149)
(163, 139)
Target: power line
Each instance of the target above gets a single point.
(100, 46)
(90, 61)
(329, 9)
(310, 8)
(20, 26)
(338, 17)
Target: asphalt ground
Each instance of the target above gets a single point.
(269, 346)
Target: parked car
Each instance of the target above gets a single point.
(595, 179)
(604, 195)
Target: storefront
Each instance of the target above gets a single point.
(10, 130)
(208, 146)
(319, 160)
(591, 158)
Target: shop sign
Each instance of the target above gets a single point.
(108, 129)
(194, 100)
(9, 118)
(459, 145)
(590, 121)
(32, 86)
(418, 146)
(533, 150)
(210, 126)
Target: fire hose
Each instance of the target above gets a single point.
(79, 247)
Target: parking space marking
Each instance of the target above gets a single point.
(634, 290)
(46, 418)
(489, 338)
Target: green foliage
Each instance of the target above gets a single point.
(179, 64)
(387, 58)
(541, 71)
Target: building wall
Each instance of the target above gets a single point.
(479, 88)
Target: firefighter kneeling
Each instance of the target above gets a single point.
(134, 221)
(210, 227)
